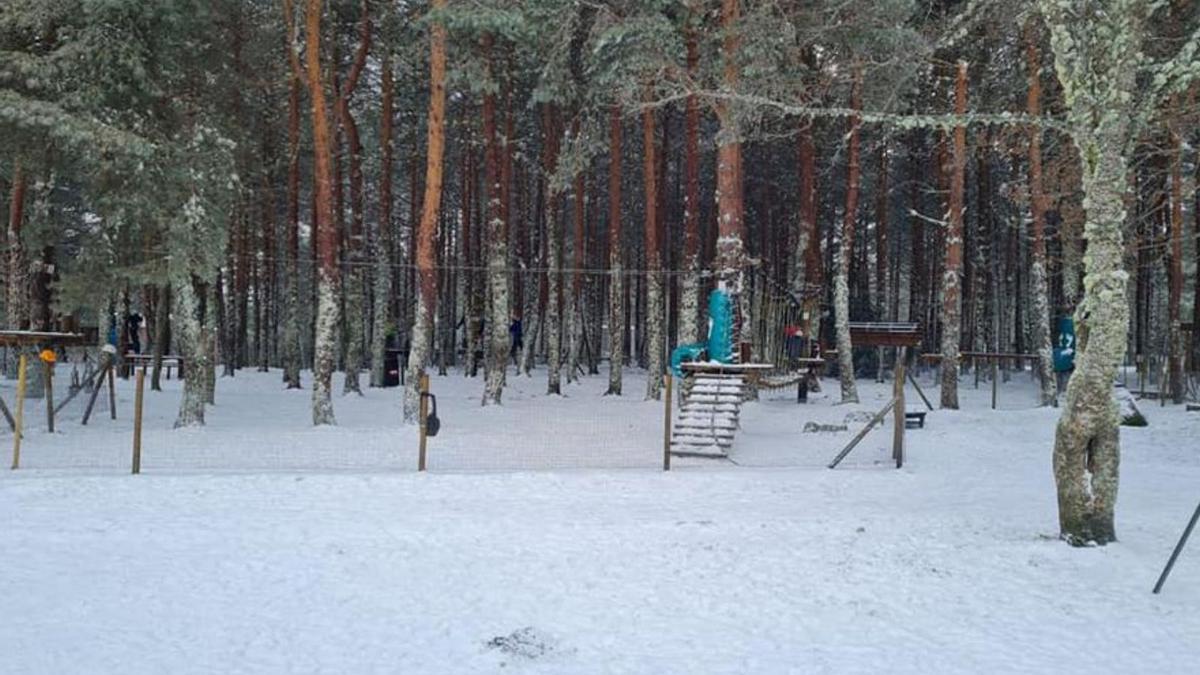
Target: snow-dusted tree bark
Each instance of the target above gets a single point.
(1097, 51)
(162, 335)
(422, 331)
(731, 231)
(689, 296)
(1175, 272)
(325, 234)
(554, 242)
(654, 288)
(841, 286)
(356, 274)
(193, 348)
(616, 287)
(575, 303)
(17, 305)
(382, 242)
(291, 329)
(497, 248)
(1037, 206)
(952, 270)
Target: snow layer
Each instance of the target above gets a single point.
(343, 560)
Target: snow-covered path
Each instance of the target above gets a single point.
(949, 565)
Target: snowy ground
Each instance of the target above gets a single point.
(259, 545)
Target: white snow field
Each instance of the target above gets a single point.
(259, 545)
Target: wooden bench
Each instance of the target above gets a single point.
(914, 419)
(135, 361)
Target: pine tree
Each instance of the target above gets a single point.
(422, 334)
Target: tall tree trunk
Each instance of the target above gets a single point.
(291, 331)
(162, 335)
(841, 291)
(353, 328)
(193, 348)
(882, 295)
(383, 232)
(616, 287)
(326, 234)
(952, 272)
(355, 260)
(730, 252)
(575, 308)
(1101, 57)
(425, 246)
(1037, 206)
(810, 236)
(497, 246)
(554, 243)
(17, 305)
(654, 286)
(1175, 271)
(689, 302)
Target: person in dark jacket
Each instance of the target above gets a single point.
(518, 341)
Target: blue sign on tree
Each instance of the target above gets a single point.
(1064, 353)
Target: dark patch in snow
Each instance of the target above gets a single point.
(815, 427)
(526, 643)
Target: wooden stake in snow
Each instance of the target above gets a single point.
(668, 380)
(422, 424)
(137, 421)
(19, 428)
(1187, 532)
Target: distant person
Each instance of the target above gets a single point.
(518, 339)
(133, 332)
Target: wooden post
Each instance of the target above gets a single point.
(137, 422)
(424, 413)
(7, 415)
(49, 365)
(920, 393)
(99, 384)
(668, 381)
(862, 434)
(995, 374)
(898, 410)
(112, 393)
(20, 429)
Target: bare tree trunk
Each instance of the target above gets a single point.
(1037, 204)
(497, 247)
(882, 295)
(952, 272)
(654, 288)
(162, 335)
(841, 291)
(193, 348)
(616, 288)
(1103, 58)
(326, 235)
(1175, 271)
(383, 231)
(17, 305)
(689, 301)
(291, 331)
(425, 245)
(554, 237)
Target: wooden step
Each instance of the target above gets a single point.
(702, 433)
(719, 424)
(714, 398)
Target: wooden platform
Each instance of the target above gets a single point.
(29, 338)
(884, 334)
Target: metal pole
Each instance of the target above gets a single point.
(1187, 532)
